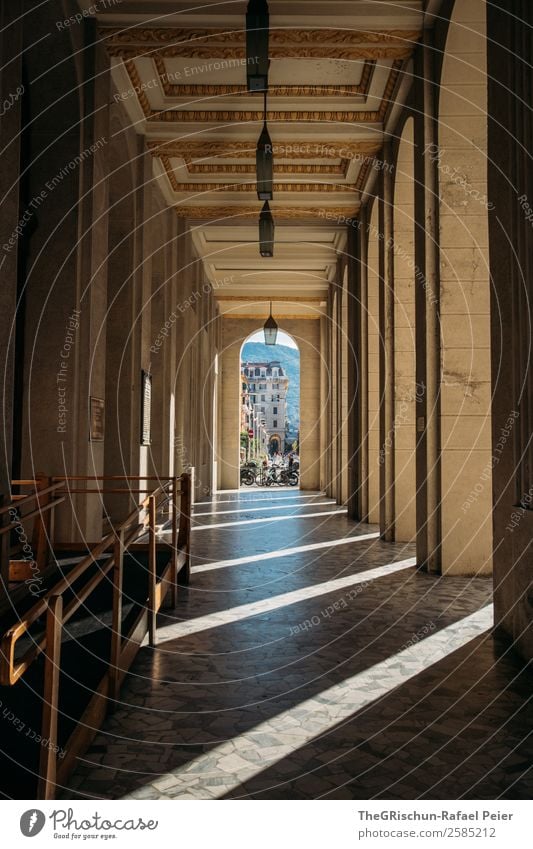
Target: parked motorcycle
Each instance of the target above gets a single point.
(247, 476)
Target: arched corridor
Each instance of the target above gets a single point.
(174, 180)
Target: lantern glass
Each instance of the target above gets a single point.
(257, 24)
(270, 330)
(266, 231)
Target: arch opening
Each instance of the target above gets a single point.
(269, 404)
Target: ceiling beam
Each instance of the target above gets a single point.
(344, 214)
(187, 89)
(284, 43)
(294, 299)
(191, 150)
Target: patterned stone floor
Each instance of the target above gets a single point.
(308, 659)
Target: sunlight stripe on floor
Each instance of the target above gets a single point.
(270, 519)
(236, 759)
(264, 509)
(282, 552)
(266, 605)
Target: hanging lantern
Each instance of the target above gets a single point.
(270, 329)
(266, 231)
(264, 160)
(257, 23)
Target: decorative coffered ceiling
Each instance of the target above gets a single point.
(335, 70)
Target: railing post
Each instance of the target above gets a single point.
(4, 551)
(184, 538)
(116, 633)
(152, 571)
(174, 587)
(41, 525)
(52, 660)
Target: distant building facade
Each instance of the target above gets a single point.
(267, 392)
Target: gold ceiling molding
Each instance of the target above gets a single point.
(283, 43)
(266, 298)
(185, 89)
(390, 86)
(222, 213)
(287, 168)
(255, 315)
(364, 171)
(137, 84)
(191, 150)
(246, 116)
(293, 188)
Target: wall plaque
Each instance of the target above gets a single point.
(146, 409)
(96, 419)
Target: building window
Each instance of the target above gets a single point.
(263, 398)
(257, 372)
(275, 423)
(275, 411)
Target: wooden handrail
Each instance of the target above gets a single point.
(152, 570)
(130, 531)
(112, 478)
(52, 669)
(13, 634)
(31, 497)
(43, 508)
(30, 482)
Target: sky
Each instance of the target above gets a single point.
(283, 339)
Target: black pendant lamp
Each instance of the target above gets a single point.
(257, 24)
(264, 161)
(270, 329)
(266, 231)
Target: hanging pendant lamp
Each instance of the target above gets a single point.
(270, 329)
(266, 231)
(264, 161)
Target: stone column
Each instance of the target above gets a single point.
(64, 250)
(324, 405)
(330, 329)
(343, 385)
(162, 316)
(307, 334)
(432, 320)
(334, 391)
(405, 388)
(510, 193)
(387, 332)
(357, 372)
(11, 93)
(464, 293)
(375, 356)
